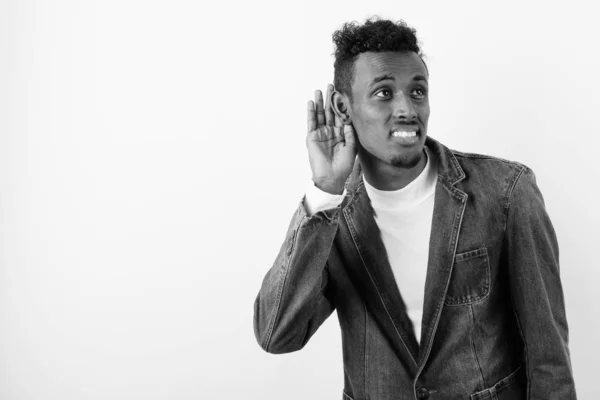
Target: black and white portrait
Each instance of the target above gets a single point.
(313, 200)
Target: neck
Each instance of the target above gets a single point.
(385, 176)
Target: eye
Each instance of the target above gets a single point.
(419, 92)
(383, 93)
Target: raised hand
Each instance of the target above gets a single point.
(331, 145)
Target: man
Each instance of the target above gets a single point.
(443, 266)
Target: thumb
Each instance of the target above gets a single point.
(349, 137)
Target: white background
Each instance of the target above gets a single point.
(152, 154)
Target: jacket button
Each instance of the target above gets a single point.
(423, 393)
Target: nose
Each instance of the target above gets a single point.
(404, 108)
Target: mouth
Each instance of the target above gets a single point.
(406, 135)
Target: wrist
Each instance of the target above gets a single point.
(329, 186)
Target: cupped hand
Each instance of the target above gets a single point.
(331, 145)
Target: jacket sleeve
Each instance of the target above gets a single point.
(537, 293)
(295, 298)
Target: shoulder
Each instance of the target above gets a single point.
(487, 162)
(494, 175)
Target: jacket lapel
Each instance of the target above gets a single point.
(374, 279)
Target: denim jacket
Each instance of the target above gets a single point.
(494, 323)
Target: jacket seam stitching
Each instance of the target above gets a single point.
(461, 173)
(509, 194)
(468, 255)
(267, 340)
(472, 315)
(515, 313)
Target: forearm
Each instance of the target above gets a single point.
(293, 302)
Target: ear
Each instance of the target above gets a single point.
(341, 107)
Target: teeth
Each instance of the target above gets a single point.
(404, 134)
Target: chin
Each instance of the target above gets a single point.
(407, 161)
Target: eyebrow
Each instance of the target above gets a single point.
(389, 76)
(380, 78)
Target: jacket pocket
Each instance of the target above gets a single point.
(470, 279)
(503, 388)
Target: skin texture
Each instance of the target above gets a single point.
(400, 101)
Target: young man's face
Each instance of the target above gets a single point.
(390, 107)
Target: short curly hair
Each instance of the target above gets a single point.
(376, 35)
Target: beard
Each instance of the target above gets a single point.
(407, 161)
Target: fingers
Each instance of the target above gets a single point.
(322, 115)
(338, 121)
(329, 115)
(320, 109)
(349, 137)
(311, 117)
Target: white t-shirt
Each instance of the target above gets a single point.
(404, 219)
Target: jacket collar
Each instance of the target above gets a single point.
(373, 272)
